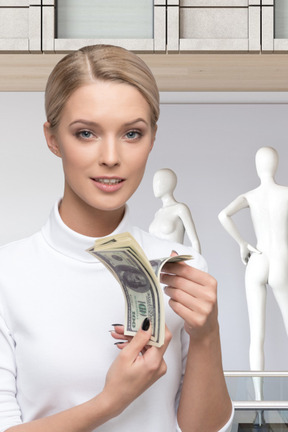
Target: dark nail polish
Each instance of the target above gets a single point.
(146, 324)
(116, 325)
(118, 343)
(175, 252)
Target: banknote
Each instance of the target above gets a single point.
(139, 280)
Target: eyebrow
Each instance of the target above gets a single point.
(92, 123)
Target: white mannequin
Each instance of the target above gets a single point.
(267, 264)
(174, 218)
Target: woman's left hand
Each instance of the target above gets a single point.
(193, 296)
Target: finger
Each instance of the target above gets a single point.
(181, 285)
(121, 345)
(171, 268)
(187, 272)
(192, 318)
(252, 249)
(119, 336)
(186, 285)
(119, 328)
(140, 340)
(202, 305)
(158, 352)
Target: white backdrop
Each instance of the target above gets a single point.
(211, 147)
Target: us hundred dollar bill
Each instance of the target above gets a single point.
(139, 280)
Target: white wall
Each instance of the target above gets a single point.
(211, 147)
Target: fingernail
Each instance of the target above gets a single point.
(146, 324)
(118, 343)
(175, 252)
(116, 325)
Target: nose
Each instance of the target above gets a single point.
(109, 152)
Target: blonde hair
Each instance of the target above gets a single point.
(103, 62)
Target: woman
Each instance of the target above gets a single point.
(58, 367)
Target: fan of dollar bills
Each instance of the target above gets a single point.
(139, 279)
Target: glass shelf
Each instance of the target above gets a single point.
(272, 409)
(273, 421)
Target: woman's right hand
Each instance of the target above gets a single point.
(136, 368)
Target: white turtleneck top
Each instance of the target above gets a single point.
(57, 304)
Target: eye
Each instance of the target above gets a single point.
(133, 134)
(85, 134)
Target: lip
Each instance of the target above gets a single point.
(108, 184)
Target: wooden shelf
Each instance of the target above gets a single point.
(173, 72)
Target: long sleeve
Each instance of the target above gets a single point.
(10, 414)
(57, 304)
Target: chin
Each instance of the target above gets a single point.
(107, 208)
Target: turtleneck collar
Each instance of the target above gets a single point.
(70, 243)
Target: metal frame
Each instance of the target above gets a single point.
(250, 44)
(51, 44)
(269, 42)
(32, 42)
(258, 405)
(40, 29)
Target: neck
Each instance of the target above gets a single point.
(89, 221)
(267, 180)
(168, 200)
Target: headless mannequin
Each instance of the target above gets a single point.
(267, 264)
(174, 218)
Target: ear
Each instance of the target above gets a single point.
(51, 139)
(153, 137)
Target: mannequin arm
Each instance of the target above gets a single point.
(189, 226)
(225, 219)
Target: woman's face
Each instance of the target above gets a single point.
(104, 138)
